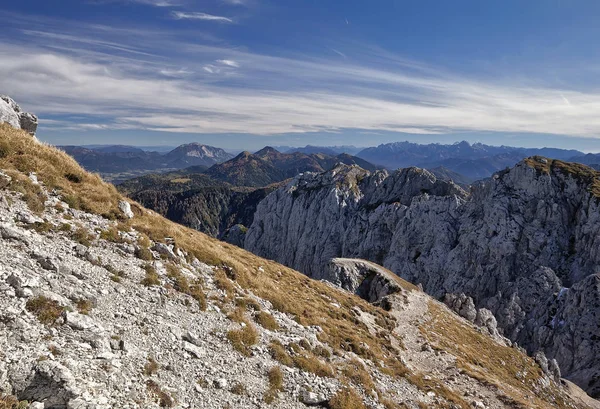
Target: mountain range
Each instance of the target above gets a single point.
(106, 304)
(472, 161)
(119, 162)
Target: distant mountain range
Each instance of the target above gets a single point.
(268, 166)
(119, 162)
(472, 161)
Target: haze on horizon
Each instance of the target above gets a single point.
(242, 74)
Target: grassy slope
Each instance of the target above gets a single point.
(289, 291)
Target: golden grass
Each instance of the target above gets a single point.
(84, 306)
(11, 402)
(513, 373)
(151, 278)
(280, 354)
(46, 310)
(22, 153)
(275, 377)
(242, 339)
(346, 398)
(266, 320)
(310, 363)
(151, 367)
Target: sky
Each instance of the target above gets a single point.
(242, 74)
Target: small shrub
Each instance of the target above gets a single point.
(279, 353)
(243, 339)
(267, 321)
(238, 389)
(151, 277)
(346, 398)
(82, 236)
(224, 283)
(357, 374)
(144, 241)
(11, 402)
(246, 302)
(312, 364)
(84, 306)
(111, 234)
(46, 310)
(74, 177)
(54, 350)
(151, 367)
(164, 399)
(65, 227)
(237, 315)
(144, 254)
(275, 375)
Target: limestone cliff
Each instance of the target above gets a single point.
(523, 244)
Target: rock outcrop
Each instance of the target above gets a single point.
(523, 245)
(369, 281)
(11, 113)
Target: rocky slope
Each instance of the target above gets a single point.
(108, 305)
(522, 244)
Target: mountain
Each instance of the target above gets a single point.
(106, 304)
(589, 159)
(194, 154)
(118, 163)
(443, 173)
(327, 150)
(474, 161)
(196, 200)
(268, 166)
(521, 244)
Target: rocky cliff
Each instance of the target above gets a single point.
(523, 245)
(11, 113)
(107, 305)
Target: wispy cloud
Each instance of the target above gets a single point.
(183, 15)
(134, 79)
(229, 63)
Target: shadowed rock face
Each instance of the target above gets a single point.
(522, 244)
(367, 280)
(11, 113)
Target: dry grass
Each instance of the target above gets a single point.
(513, 373)
(46, 310)
(164, 399)
(242, 339)
(22, 153)
(82, 236)
(111, 234)
(346, 398)
(267, 321)
(151, 367)
(356, 373)
(239, 389)
(247, 303)
(11, 402)
(310, 363)
(280, 354)
(151, 278)
(275, 376)
(84, 306)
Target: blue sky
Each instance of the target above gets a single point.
(247, 73)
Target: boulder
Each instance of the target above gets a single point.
(11, 113)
